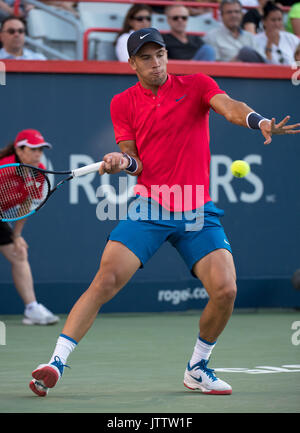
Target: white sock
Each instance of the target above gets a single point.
(31, 305)
(64, 346)
(202, 350)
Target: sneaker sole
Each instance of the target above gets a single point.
(209, 391)
(37, 391)
(47, 374)
(27, 321)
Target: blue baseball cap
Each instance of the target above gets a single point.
(141, 37)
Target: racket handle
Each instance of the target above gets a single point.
(91, 168)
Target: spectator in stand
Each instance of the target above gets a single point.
(12, 37)
(293, 22)
(253, 19)
(279, 45)
(179, 44)
(230, 41)
(138, 17)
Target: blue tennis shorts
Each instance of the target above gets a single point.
(194, 234)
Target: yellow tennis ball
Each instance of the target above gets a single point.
(240, 168)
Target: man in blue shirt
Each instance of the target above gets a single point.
(230, 41)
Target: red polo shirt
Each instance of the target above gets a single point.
(171, 131)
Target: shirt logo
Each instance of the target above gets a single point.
(142, 37)
(179, 99)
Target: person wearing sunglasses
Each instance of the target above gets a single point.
(180, 45)
(138, 17)
(279, 45)
(12, 37)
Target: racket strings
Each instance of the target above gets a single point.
(22, 190)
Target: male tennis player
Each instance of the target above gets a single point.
(161, 126)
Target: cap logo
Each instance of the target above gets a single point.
(142, 37)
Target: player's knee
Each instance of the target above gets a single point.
(225, 294)
(107, 285)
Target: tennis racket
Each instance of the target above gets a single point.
(24, 189)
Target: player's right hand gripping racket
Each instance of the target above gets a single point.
(24, 189)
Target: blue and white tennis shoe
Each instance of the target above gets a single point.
(46, 376)
(199, 376)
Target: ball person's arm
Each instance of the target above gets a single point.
(116, 162)
(236, 112)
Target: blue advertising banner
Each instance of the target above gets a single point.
(66, 238)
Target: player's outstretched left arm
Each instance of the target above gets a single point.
(269, 128)
(241, 114)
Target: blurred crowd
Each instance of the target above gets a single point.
(258, 31)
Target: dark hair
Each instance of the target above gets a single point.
(229, 2)
(10, 18)
(8, 150)
(269, 7)
(130, 14)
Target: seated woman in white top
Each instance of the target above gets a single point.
(279, 45)
(138, 17)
